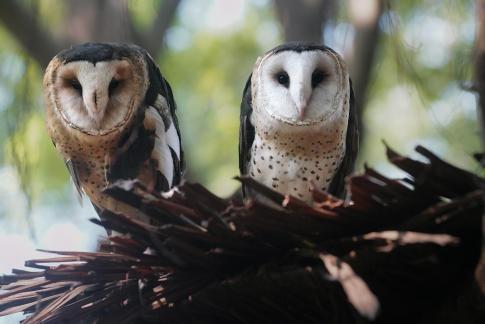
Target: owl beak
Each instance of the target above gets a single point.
(301, 94)
(301, 107)
(94, 107)
(91, 102)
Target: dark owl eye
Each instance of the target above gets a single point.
(113, 85)
(77, 86)
(283, 79)
(317, 78)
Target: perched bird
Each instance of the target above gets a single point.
(111, 115)
(298, 126)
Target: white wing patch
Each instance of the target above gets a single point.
(173, 139)
(161, 151)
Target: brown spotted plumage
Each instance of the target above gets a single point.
(111, 115)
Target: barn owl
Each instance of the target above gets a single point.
(111, 116)
(298, 127)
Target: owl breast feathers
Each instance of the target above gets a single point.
(111, 115)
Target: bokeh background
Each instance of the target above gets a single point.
(410, 61)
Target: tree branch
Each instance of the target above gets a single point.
(153, 40)
(303, 20)
(367, 34)
(31, 35)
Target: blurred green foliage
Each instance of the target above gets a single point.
(419, 93)
(415, 95)
(208, 101)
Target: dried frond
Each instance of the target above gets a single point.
(400, 248)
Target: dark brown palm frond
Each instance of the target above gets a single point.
(401, 250)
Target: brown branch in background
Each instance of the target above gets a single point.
(99, 21)
(367, 33)
(303, 20)
(153, 40)
(87, 20)
(31, 35)
(109, 20)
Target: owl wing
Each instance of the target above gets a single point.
(337, 186)
(161, 110)
(154, 142)
(74, 176)
(246, 129)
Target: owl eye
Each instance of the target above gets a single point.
(113, 85)
(283, 79)
(77, 86)
(317, 78)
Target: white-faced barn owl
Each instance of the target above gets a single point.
(111, 115)
(298, 126)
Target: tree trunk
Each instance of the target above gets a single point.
(366, 39)
(303, 20)
(98, 21)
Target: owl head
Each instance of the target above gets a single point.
(96, 87)
(300, 84)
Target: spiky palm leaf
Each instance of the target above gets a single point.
(394, 254)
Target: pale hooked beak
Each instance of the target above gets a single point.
(90, 101)
(301, 108)
(301, 94)
(94, 105)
